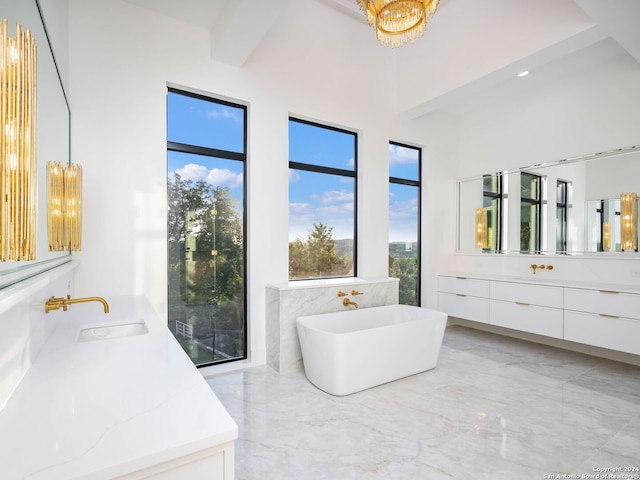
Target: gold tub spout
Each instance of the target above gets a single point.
(347, 301)
(54, 303)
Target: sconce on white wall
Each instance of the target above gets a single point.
(18, 148)
(481, 228)
(64, 206)
(629, 222)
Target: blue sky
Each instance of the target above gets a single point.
(312, 197)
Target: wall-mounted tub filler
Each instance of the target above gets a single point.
(54, 303)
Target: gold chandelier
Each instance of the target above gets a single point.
(18, 144)
(397, 21)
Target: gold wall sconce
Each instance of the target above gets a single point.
(481, 228)
(629, 222)
(606, 236)
(64, 206)
(18, 148)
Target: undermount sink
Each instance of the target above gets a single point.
(105, 332)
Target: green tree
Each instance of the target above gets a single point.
(317, 256)
(406, 269)
(210, 216)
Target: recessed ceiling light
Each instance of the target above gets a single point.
(523, 74)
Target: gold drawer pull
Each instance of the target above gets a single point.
(461, 278)
(460, 295)
(609, 291)
(522, 303)
(608, 316)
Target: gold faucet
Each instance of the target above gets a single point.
(541, 267)
(347, 301)
(54, 303)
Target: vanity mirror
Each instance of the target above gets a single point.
(567, 207)
(53, 133)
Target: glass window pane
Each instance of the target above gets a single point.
(321, 225)
(205, 256)
(404, 162)
(316, 145)
(204, 123)
(403, 240)
(529, 228)
(491, 183)
(530, 186)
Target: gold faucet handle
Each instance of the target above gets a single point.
(354, 292)
(542, 267)
(549, 267)
(342, 294)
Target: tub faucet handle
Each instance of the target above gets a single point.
(355, 292)
(342, 294)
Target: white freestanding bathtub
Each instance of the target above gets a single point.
(353, 350)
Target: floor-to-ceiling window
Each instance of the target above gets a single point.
(530, 212)
(404, 220)
(206, 155)
(322, 200)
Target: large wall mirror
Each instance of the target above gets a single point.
(53, 133)
(567, 207)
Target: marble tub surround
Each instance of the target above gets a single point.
(110, 408)
(494, 408)
(285, 302)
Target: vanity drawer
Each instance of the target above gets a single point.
(614, 333)
(543, 295)
(527, 318)
(463, 306)
(464, 286)
(602, 301)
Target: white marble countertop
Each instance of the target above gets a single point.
(105, 408)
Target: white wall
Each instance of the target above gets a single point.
(592, 110)
(121, 58)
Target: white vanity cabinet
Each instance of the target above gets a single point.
(529, 308)
(464, 297)
(604, 318)
(572, 311)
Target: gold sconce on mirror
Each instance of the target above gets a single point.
(629, 222)
(18, 148)
(481, 228)
(606, 236)
(64, 206)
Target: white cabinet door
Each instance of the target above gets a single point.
(614, 333)
(527, 318)
(464, 286)
(463, 306)
(602, 301)
(545, 295)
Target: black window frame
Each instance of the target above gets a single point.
(563, 206)
(418, 184)
(309, 167)
(226, 155)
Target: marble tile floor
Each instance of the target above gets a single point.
(493, 408)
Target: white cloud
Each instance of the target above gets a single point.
(193, 172)
(298, 208)
(218, 177)
(224, 114)
(402, 155)
(293, 176)
(335, 196)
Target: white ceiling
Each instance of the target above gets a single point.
(481, 44)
